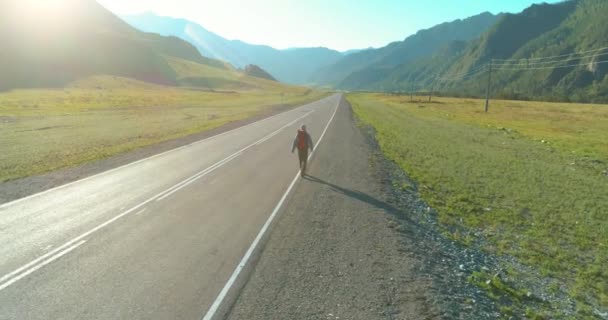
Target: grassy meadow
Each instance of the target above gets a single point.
(47, 129)
(530, 177)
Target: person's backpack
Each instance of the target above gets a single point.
(301, 140)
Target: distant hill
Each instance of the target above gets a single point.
(196, 75)
(367, 66)
(255, 71)
(291, 65)
(543, 30)
(351, 51)
(52, 48)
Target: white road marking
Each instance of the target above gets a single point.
(140, 211)
(4, 205)
(187, 182)
(162, 194)
(40, 265)
(218, 300)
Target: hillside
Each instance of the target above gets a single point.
(50, 48)
(192, 74)
(357, 69)
(560, 29)
(517, 45)
(255, 71)
(291, 65)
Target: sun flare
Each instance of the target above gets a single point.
(47, 6)
(41, 16)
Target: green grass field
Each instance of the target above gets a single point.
(531, 176)
(94, 118)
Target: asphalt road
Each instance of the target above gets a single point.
(159, 238)
(341, 249)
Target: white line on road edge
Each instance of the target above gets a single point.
(179, 185)
(40, 265)
(3, 205)
(220, 298)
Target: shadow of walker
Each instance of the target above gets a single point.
(356, 195)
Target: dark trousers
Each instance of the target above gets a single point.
(303, 155)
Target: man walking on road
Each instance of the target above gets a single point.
(303, 142)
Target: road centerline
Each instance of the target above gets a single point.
(39, 265)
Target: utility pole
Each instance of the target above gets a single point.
(489, 82)
(412, 93)
(431, 92)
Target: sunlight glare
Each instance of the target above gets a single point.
(40, 17)
(45, 6)
(44, 11)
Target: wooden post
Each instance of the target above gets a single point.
(489, 83)
(431, 92)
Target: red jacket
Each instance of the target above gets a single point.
(303, 141)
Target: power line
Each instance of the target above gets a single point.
(465, 73)
(528, 64)
(524, 64)
(552, 57)
(549, 62)
(552, 67)
(463, 76)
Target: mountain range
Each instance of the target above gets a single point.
(362, 66)
(295, 65)
(548, 51)
(318, 66)
(452, 58)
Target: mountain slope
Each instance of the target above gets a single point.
(43, 47)
(375, 62)
(255, 71)
(582, 27)
(291, 65)
(518, 41)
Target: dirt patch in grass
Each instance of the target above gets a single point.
(6, 119)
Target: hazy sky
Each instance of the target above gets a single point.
(337, 24)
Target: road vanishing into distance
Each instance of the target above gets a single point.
(166, 237)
